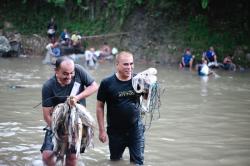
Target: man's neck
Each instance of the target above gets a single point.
(122, 78)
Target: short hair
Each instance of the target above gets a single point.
(117, 57)
(60, 60)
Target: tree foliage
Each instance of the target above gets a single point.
(204, 4)
(203, 22)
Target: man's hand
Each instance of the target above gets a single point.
(72, 100)
(102, 136)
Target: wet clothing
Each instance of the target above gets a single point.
(48, 144)
(210, 55)
(187, 58)
(228, 66)
(203, 70)
(132, 138)
(53, 93)
(124, 126)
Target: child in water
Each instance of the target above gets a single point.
(203, 69)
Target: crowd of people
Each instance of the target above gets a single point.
(66, 41)
(61, 45)
(208, 62)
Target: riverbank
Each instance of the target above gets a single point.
(153, 36)
(166, 53)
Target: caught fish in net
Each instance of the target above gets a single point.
(146, 82)
(73, 129)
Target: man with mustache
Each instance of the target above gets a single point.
(67, 76)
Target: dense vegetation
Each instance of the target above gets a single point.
(201, 23)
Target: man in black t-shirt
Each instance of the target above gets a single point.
(69, 80)
(124, 125)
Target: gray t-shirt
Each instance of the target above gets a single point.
(53, 93)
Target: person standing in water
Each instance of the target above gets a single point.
(67, 76)
(124, 123)
(187, 60)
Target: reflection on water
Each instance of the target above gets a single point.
(204, 82)
(204, 121)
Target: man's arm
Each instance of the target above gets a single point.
(182, 60)
(100, 120)
(87, 92)
(47, 111)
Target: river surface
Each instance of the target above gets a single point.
(203, 121)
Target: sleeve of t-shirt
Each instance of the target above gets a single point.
(86, 78)
(102, 94)
(47, 100)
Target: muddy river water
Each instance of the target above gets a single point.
(203, 121)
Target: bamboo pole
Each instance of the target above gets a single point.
(105, 35)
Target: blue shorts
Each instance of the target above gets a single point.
(48, 144)
(133, 138)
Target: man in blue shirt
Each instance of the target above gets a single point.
(187, 59)
(211, 57)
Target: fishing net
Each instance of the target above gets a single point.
(146, 82)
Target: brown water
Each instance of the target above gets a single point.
(203, 122)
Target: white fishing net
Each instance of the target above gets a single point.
(146, 82)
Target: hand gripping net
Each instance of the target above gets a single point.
(146, 82)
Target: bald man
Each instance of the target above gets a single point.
(69, 80)
(124, 124)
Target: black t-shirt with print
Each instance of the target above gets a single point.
(123, 108)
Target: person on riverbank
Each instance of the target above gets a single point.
(76, 40)
(65, 37)
(124, 124)
(52, 28)
(68, 76)
(187, 59)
